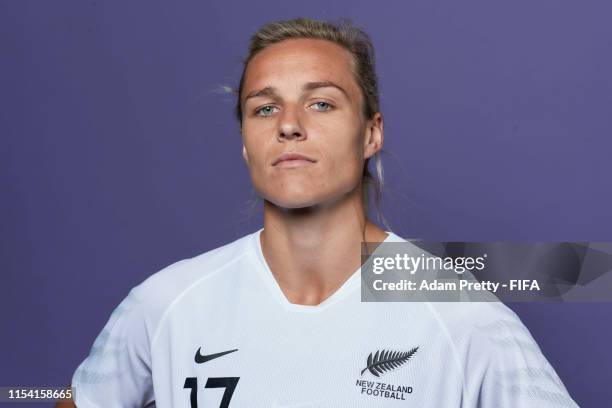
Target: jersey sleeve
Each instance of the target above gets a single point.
(505, 368)
(117, 371)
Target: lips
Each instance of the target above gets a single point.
(289, 157)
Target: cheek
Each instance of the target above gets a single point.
(256, 145)
(344, 175)
(345, 159)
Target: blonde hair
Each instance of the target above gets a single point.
(359, 44)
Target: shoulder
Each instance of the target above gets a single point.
(170, 281)
(180, 275)
(501, 363)
(124, 343)
(465, 321)
(465, 317)
(160, 290)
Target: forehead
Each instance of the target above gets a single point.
(295, 61)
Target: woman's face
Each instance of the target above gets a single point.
(300, 96)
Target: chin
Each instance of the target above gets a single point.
(294, 198)
(293, 202)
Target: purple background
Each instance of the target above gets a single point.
(119, 156)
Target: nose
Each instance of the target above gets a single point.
(290, 126)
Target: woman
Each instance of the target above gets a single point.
(274, 319)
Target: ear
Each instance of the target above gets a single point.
(245, 156)
(373, 139)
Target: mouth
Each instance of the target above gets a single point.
(292, 160)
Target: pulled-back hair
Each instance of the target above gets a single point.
(354, 40)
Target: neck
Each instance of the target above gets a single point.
(312, 251)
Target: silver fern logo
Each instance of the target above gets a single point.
(387, 360)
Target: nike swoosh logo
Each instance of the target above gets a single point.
(200, 358)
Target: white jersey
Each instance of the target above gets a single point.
(216, 330)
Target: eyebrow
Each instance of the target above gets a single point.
(309, 86)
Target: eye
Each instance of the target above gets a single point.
(265, 110)
(322, 106)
